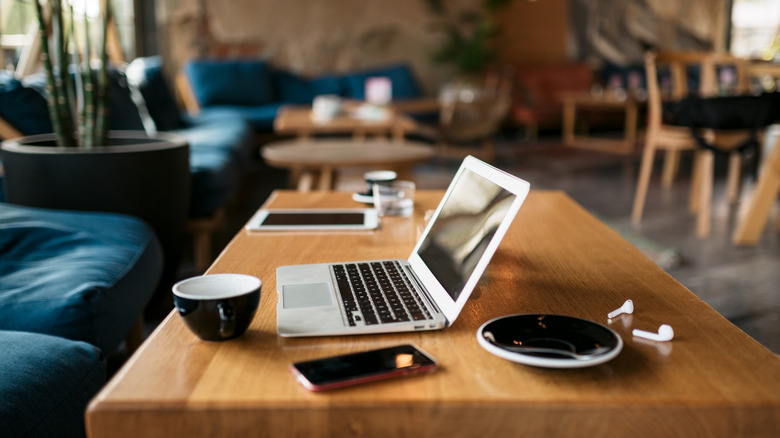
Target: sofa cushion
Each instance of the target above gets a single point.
(404, 85)
(222, 144)
(23, 107)
(82, 276)
(145, 76)
(224, 129)
(261, 117)
(295, 89)
(46, 383)
(230, 82)
(124, 112)
(215, 179)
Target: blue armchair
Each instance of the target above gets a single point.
(72, 286)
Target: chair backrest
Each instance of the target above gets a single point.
(474, 109)
(763, 76)
(674, 75)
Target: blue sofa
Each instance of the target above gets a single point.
(219, 142)
(256, 89)
(46, 383)
(222, 143)
(72, 286)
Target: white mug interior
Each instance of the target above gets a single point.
(216, 286)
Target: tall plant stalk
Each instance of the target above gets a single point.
(79, 102)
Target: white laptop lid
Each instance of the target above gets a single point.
(464, 232)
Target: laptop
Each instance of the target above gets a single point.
(425, 292)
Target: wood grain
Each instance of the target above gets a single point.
(711, 380)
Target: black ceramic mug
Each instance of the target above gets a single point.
(217, 307)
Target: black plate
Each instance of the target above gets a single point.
(552, 341)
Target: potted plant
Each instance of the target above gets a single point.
(469, 49)
(82, 165)
(475, 101)
(468, 45)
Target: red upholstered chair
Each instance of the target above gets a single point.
(537, 100)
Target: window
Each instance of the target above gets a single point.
(16, 16)
(755, 29)
(15, 19)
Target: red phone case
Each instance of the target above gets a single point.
(355, 380)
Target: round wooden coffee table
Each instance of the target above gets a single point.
(307, 157)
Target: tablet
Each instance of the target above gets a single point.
(313, 219)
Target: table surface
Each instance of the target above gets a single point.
(711, 380)
(345, 152)
(297, 120)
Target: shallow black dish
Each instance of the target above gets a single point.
(551, 341)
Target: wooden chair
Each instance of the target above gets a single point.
(185, 96)
(676, 139)
(472, 112)
(766, 77)
(752, 223)
(7, 131)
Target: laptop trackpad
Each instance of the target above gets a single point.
(300, 296)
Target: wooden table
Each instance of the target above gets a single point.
(324, 157)
(298, 121)
(626, 145)
(712, 380)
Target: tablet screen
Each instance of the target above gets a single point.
(311, 218)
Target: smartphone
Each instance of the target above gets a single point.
(368, 366)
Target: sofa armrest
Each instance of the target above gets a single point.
(186, 96)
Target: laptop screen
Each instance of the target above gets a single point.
(466, 224)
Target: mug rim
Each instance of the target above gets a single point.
(380, 176)
(245, 284)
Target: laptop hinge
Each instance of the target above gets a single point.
(424, 295)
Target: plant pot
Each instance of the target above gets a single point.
(143, 176)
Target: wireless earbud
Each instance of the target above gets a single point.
(627, 307)
(665, 333)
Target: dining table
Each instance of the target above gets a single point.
(710, 380)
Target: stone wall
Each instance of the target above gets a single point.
(316, 36)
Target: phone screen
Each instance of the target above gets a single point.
(339, 371)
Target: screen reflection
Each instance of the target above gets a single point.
(465, 226)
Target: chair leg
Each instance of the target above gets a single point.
(752, 223)
(671, 166)
(489, 149)
(706, 174)
(696, 180)
(734, 175)
(645, 170)
(201, 230)
(135, 337)
(532, 131)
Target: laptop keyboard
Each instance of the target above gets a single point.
(378, 293)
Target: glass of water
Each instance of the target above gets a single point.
(394, 198)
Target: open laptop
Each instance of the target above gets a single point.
(425, 292)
